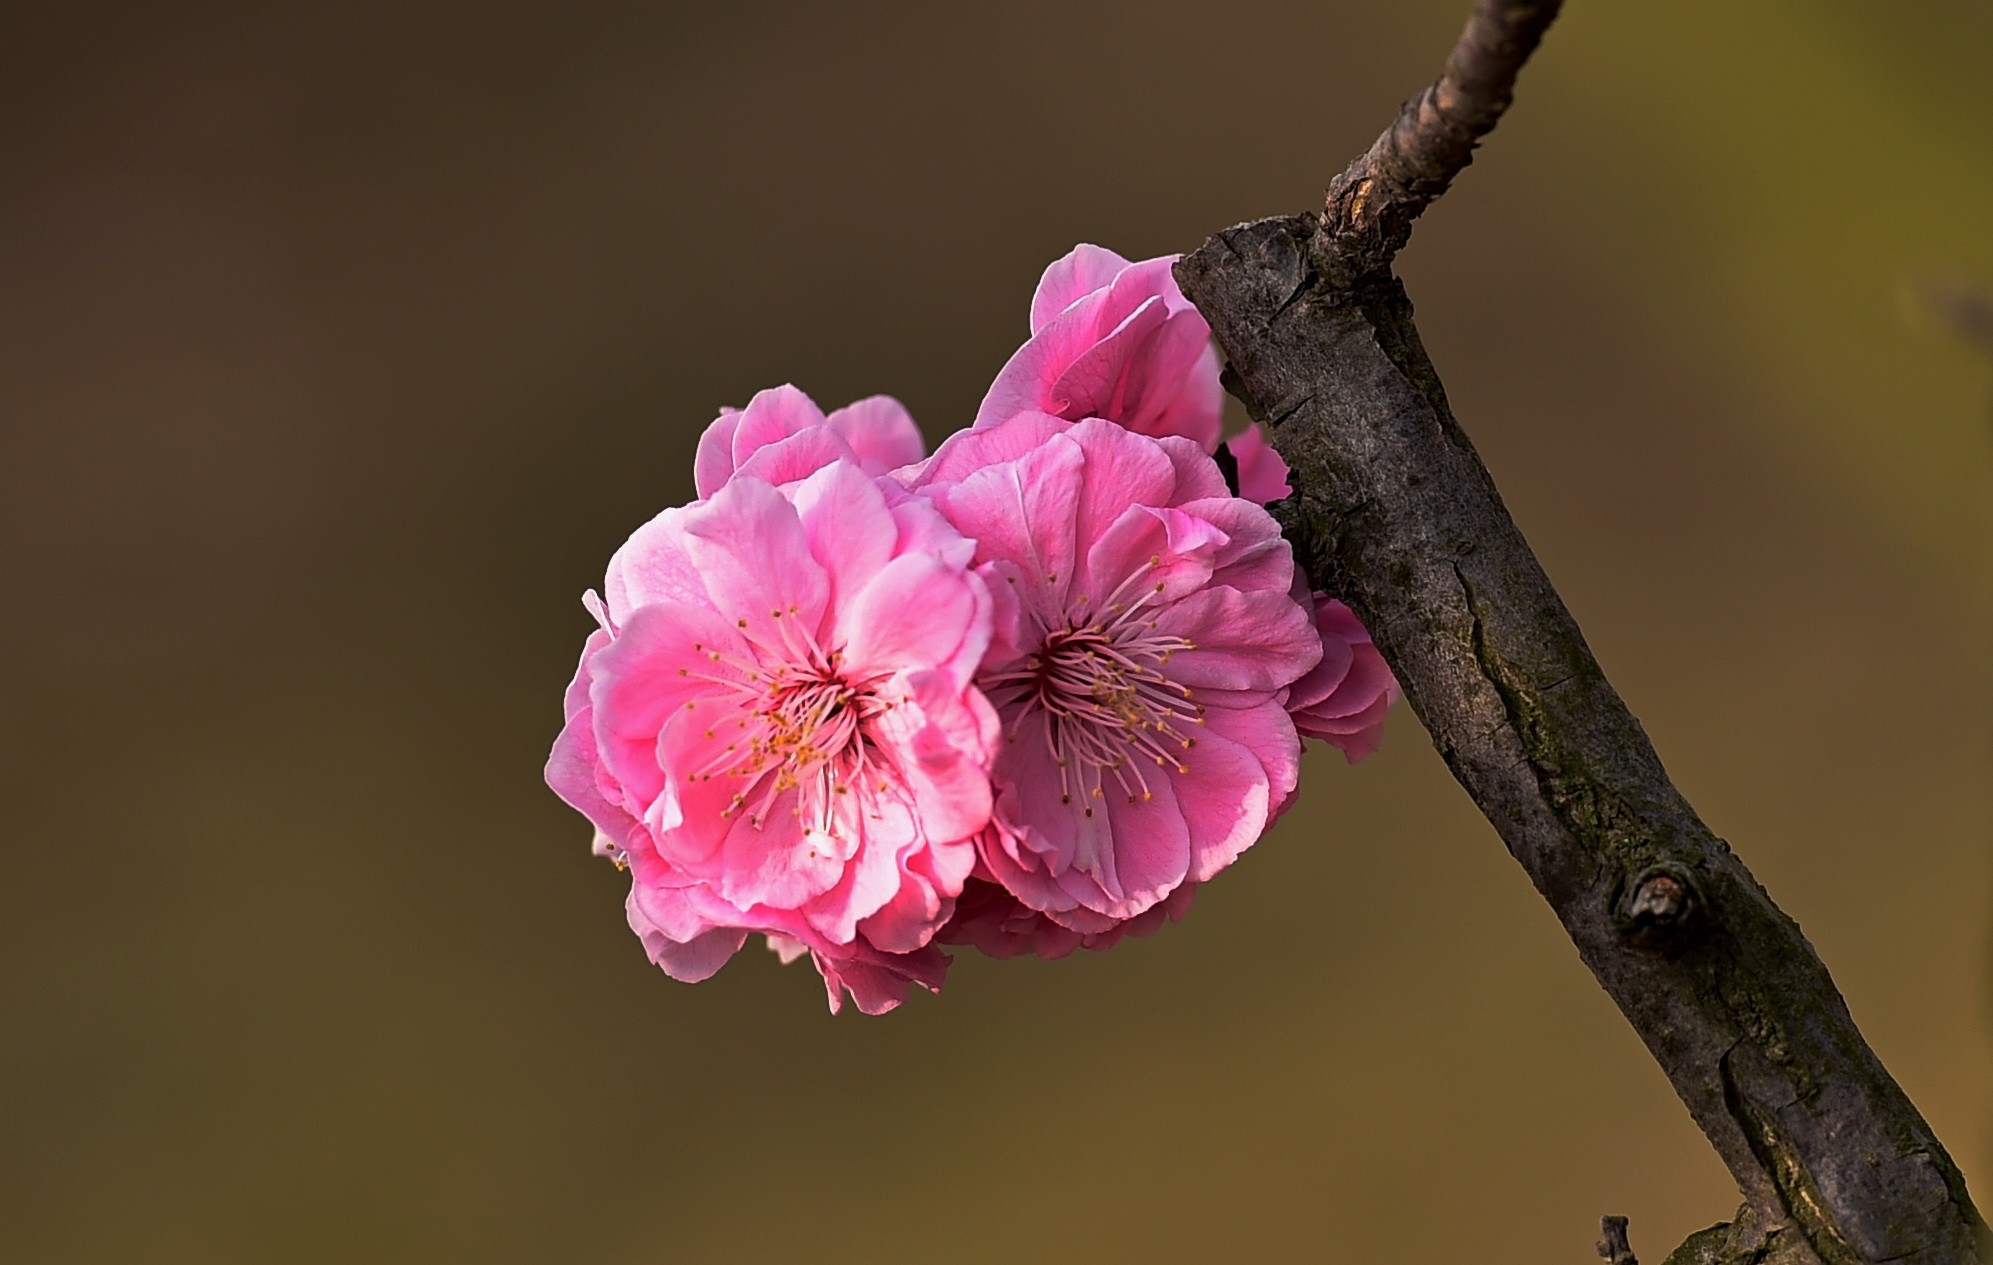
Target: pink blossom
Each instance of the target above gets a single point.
(1343, 700)
(1144, 643)
(1262, 474)
(782, 436)
(1117, 340)
(776, 728)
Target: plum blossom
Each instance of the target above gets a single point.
(1262, 474)
(782, 436)
(1140, 660)
(1117, 340)
(1342, 701)
(775, 728)
(1025, 695)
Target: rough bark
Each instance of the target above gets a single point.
(1395, 514)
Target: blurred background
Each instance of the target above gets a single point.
(341, 343)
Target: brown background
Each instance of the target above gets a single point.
(340, 344)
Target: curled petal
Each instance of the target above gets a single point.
(1114, 340)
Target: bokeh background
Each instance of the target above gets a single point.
(341, 343)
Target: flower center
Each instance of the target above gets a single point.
(1106, 708)
(799, 727)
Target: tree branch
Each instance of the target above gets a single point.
(1612, 1245)
(1371, 205)
(1396, 515)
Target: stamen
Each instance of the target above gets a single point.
(1100, 696)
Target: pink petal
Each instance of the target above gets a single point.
(922, 529)
(873, 876)
(699, 958)
(1032, 884)
(1150, 849)
(1336, 619)
(1368, 680)
(1242, 641)
(576, 697)
(942, 741)
(1139, 282)
(676, 913)
(1075, 275)
(852, 532)
(772, 415)
(1225, 797)
(995, 922)
(780, 864)
(1351, 714)
(713, 463)
(796, 457)
(1108, 856)
(1322, 679)
(643, 678)
(749, 547)
(785, 948)
(1197, 475)
(1025, 382)
(1196, 408)
(1262, 474)
(907, 921)
(1122, 470)
(1023, 511)
(914, 613)
(1158, 372)
(570, 772)
(1005, 439)
(1099, 376)
(686, 954)
(652, 566)
(877, 981)
(573, 766)
(1265, 731)
(881, 433)
(693, 819)
(1255, 555)
(1150, 555)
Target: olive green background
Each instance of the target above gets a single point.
(341, 343)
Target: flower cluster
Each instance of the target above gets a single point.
(1024, 694)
